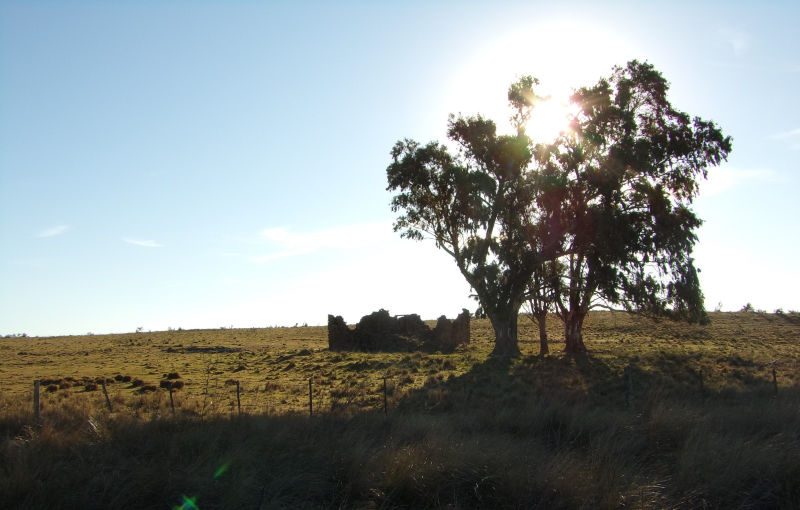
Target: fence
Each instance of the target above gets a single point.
(206, 403)
(338, 400)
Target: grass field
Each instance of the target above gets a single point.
(462, 430)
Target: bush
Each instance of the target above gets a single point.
(174, 384)
(137, 382)
(90, 387)
(52, 388)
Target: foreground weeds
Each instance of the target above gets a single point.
(697, 423)
(512, 452)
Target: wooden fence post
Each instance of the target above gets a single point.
(385, 400)
(36, 400)
(775, 380)
(238, 399)
(108, 400)
(171, 400)
(310, 401)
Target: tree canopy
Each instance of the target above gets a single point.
(618, 189)
(603, 212)
(472, 205)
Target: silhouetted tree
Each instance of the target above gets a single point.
(616, 193)
(600, 216)
(541, 298)
(473, 205)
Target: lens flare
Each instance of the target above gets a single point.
(221, 470)
(188, 503)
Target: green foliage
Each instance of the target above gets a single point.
(473, 205)
(609, 200)
(619, 190)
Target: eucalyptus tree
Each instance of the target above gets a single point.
(541, 298)
(472, 203)
(615, 193)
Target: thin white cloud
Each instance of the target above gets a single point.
(793, 133)
(738, 40)
(287, 243)
(792, 136)
(53, 231)
(145, 243)
(278, 255)
(722, 179)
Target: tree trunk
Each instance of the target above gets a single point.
(506, 344)
(541, 320)
(573, 333)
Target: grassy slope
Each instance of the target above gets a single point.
(461, 432)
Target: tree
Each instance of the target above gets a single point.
(473, 206)
(541, 298)
(599, 217)
(616, 193)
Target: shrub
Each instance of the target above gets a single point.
(174, 384)
(52, 388)
(173, 375)
(118, 377)
(148, 387)
(137, 382)
(126, 378)
(65, 385)
(90, 387)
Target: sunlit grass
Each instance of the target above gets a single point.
(461, 430)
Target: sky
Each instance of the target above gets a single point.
(216, 164)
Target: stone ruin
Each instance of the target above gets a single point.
(380, 331)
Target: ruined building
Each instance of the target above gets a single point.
(380, 331)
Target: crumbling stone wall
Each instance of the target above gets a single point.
(449, 334)
(338, 334)
(380, 331)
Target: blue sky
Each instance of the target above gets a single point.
(208, 164)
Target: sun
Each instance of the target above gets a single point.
(562, 54)
(550, 118)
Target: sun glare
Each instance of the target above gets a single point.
(550, 118)
(562, 54)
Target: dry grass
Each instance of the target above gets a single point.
(462, 431)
